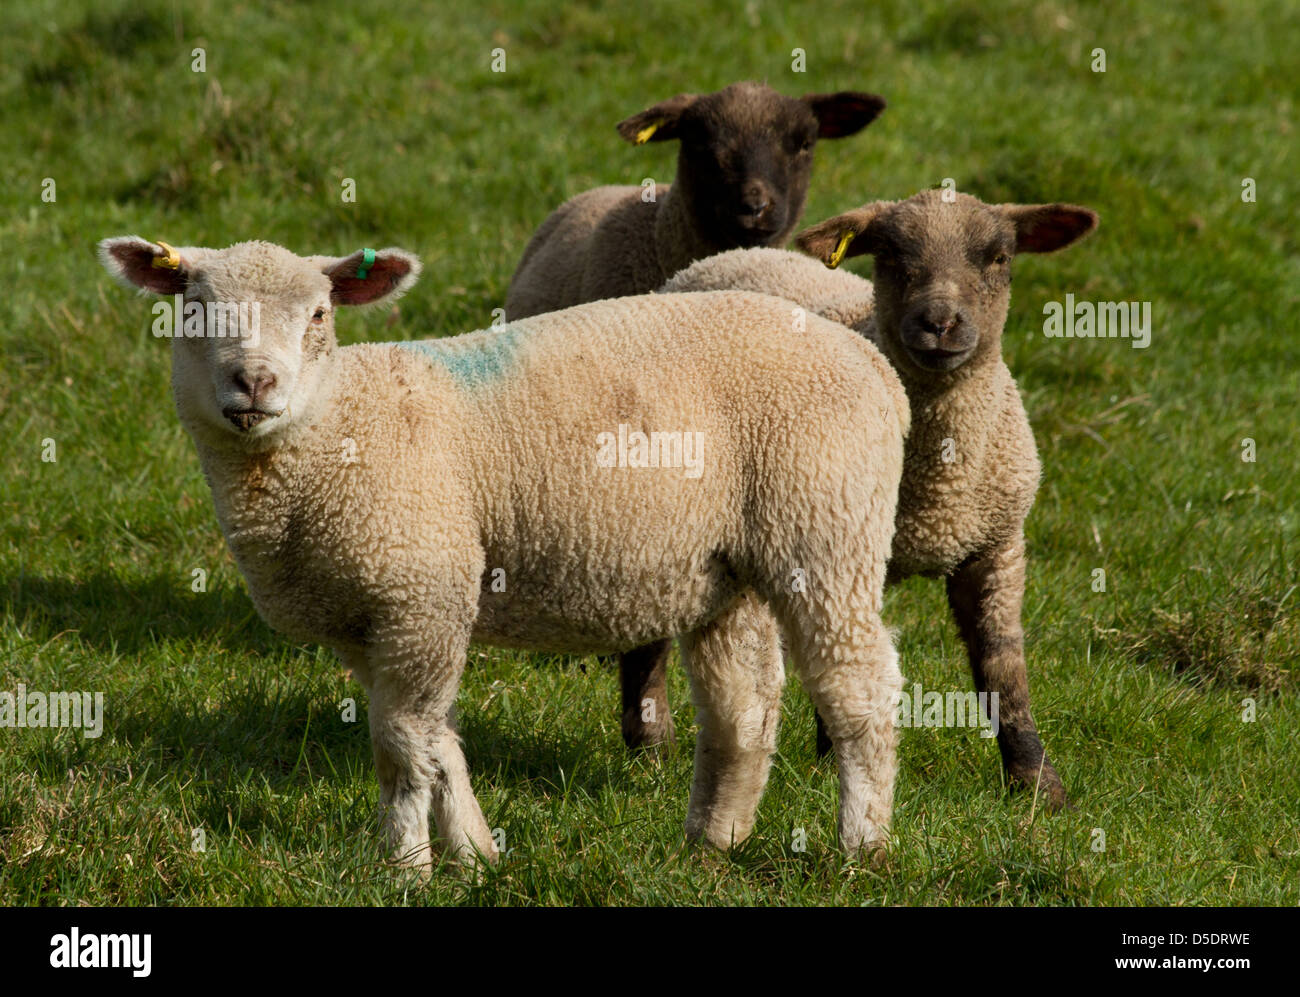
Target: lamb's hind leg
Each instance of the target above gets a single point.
(418, 756)
(850, 670)
(736, 676)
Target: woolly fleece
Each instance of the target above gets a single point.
(372, 509)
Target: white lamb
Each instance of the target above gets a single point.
(371, 495)
(744, 162)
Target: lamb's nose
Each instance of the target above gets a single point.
(939, 319)
(254, 384)
(754, 200)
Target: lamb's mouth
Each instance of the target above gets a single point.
(746, 233)
(940, 359)
(245, 419)
(750, 238)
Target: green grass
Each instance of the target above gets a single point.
(215, 723)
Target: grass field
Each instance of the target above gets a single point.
(219, 732)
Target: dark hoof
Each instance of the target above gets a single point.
(1051, 792)
(638, 735)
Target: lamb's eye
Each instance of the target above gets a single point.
(319, 316)
(1002, 259)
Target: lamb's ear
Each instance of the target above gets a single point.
(369, 275)
(149, 266)
(1043, 228)
(844, 235)
(844, 113)
(658, 123)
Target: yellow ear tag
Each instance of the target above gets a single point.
(170, 261)
(643, 136)
(837, 257)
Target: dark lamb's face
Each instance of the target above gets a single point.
(748, 169)
(745, 154)
(944, 277)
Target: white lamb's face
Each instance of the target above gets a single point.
(252, 325)
(268, 328)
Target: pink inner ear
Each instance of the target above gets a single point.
(384, 277)
(136, 261)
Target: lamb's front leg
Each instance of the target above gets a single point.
(986, 594)
(418, 756)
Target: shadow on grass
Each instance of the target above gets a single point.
(548, 760)
(251, 754)
(279, 731)
(134, 615)
(293, 743)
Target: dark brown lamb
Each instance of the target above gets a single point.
(743, 166)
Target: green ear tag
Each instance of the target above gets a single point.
(367, 261)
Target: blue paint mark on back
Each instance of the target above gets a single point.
(474, 359)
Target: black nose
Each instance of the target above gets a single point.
(938, 319)
(254, 384)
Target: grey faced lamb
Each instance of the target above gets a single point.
(588, 481)
(743, 166)
(942, 288)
